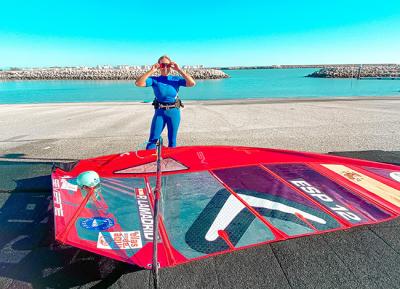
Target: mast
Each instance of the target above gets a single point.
(157, 198)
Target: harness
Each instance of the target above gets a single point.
(168, 105)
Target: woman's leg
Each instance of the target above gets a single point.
(157, 126)
(173, 119)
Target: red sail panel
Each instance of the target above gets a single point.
(115, 221)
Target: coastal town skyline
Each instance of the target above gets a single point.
(75, 33)
(126, 72)
(198, 66)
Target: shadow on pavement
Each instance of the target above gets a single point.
(391, 157)
(29, 255)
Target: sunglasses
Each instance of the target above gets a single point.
(165, 65)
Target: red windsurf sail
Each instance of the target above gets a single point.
(217, 199)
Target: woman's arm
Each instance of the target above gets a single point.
(189, 80)
(141, 81)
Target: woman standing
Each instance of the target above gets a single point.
(166, 103)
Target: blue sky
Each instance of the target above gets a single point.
(212, 33)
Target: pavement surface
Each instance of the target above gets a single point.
(76, 131)
(33, 136)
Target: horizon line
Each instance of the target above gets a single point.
(198, 65)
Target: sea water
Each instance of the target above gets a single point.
(242, 84)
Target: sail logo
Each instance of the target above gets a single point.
(58, 208)
(119, 240)
(227, 217)
(353, 176)
(65, 185)
(145, 214)
(395, 176)
(325, 199)
(233, 207)
(202, 158)
(97, 223)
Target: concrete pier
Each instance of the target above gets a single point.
(98, 73)
(389, 71)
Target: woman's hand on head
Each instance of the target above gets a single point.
(155, 67)
(175, 66)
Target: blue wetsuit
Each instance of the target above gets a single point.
(165, 90)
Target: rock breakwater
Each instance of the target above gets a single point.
(379, 71)
(91, 73)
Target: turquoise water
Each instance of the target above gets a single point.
(273, 83)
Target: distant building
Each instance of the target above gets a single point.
(122, 67)
(103, 67)
(193, 66)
